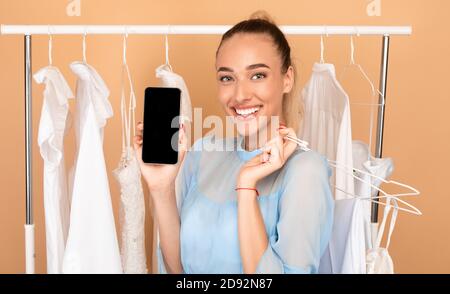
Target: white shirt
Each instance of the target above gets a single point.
(52, 129)
(327, 129)
(92, 245)
(327, 123)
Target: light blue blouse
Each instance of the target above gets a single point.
(296, 204)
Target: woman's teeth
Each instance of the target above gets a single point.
(247, 111)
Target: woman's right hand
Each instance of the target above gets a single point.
(159, 177)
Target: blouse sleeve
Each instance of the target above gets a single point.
(305, 217)
(188, 170)
(182, 184)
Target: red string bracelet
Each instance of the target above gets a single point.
(282, 126)
(254, 189)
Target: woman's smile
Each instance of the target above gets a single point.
(246, 113)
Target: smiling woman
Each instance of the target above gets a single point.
(253, 91)
(267, 209)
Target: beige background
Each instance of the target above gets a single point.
(417, 133)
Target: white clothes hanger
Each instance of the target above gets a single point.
(50, 47)
(383, 222)
(413, 209)
(349, 170)
(124, 47)
(374, 90)
(167, 49)
(127, 120)
(84, 45)
(303, 145)
(322, 47)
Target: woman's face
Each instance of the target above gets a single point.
(250, 82)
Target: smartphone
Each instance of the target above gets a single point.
(161, 125)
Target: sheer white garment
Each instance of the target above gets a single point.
(132, 202)
(131, 214)
(52, 129)
(92, 245)
(327, 123)
(381, 167)
(378, 259)
(170, 79)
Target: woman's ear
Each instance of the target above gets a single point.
(288, 82)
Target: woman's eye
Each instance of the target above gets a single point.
(259, 75)
(225, 79)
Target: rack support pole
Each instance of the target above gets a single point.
(380, 124)
(29, 226)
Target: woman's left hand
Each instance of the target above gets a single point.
(274, 155)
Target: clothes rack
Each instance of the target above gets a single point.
(29, 30)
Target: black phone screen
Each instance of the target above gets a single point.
(161, 125)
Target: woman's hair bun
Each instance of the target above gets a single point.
(262, 14)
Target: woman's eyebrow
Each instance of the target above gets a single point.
(252, 66)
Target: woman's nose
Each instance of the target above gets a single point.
(242, 92)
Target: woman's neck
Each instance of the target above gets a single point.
(260, 138)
